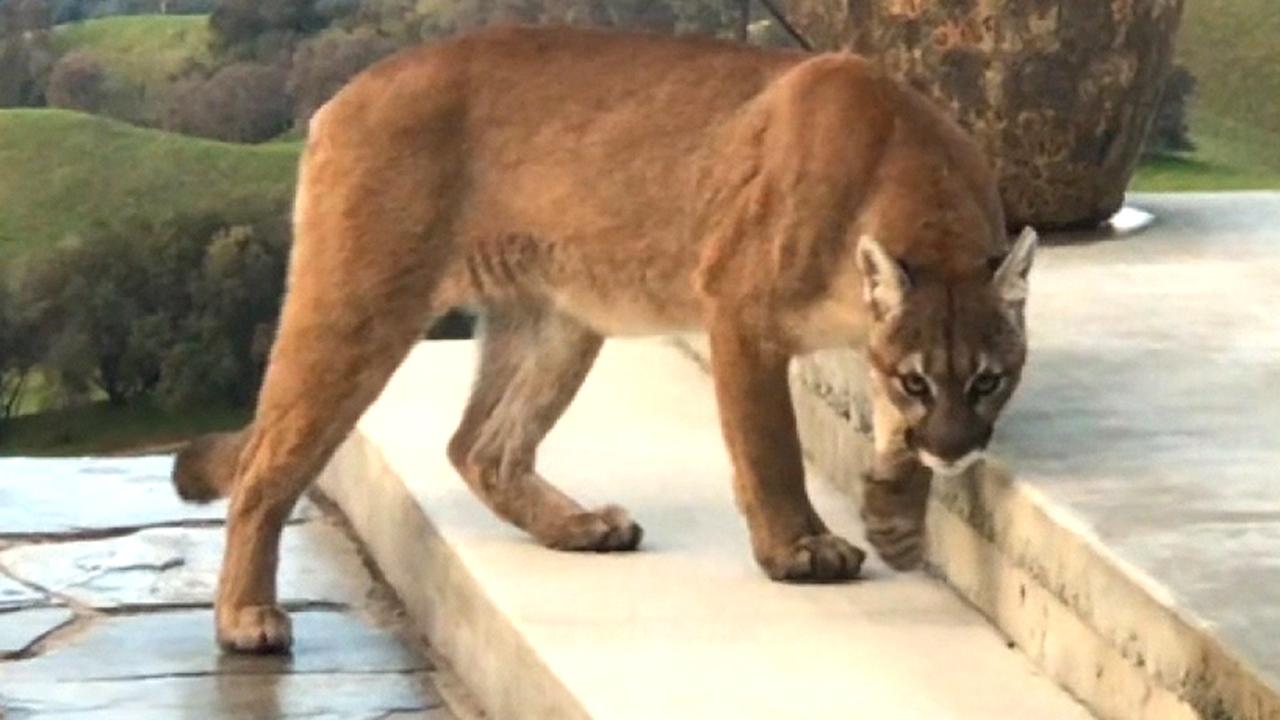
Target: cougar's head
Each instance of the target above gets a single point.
(946, 353)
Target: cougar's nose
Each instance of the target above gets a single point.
(950, 439)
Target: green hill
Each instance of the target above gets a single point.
(141, 53)
(1230, 46)
(65, 172)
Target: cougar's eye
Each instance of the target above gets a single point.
(914, 385)
(985, 383)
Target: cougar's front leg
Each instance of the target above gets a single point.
(789, 540)
(895, 494)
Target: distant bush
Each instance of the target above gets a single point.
(76, 82)
(321, 66)
(242, 102)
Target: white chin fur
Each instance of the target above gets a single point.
(942, 468)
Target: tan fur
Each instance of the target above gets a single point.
(577, 184)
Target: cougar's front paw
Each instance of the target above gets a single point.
(893, 512)
(898, 541)
(258, 629)
(815, 558)
(609, 529)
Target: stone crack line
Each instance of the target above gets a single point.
(394, 711)
(108, 533)
(57, 597)
(127, 609)
(254, 672)
(158, 567)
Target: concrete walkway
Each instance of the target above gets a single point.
(1152, 403)
(1151, 407)
(105, 589)
(686, 628)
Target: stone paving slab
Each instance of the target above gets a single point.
(39, 495)
(229, 697)
(19, 629)
(56, 495)
(180, 644)
(111, 544)
(179, 566)
(14, 594)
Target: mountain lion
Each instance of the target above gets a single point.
(576, 184)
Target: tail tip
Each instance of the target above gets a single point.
(197, 467)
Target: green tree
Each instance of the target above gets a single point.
(266, 30)
(109, 308)
(179, 312)
(235, 298)
(17, 350)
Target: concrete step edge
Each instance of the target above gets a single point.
(473, 637)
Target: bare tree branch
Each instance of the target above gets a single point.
(778, 15)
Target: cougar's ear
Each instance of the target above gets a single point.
(885, 282)
(1010, 278)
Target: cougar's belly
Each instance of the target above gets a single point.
(629, 311)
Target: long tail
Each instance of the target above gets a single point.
(206, 467)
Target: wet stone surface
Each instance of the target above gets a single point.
(179, 566)
(244, 697)
(20, 629)
(97, 495)
(106, 588)
(180, 643)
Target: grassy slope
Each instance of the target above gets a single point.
(141, 54)
(1231, 48)
(65, 172)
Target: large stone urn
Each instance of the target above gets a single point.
(1061, 93)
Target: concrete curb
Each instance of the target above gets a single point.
(1102, 629)
(448, 606)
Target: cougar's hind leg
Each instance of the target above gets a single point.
(532, 364)
(360, 293)
(334, 352)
